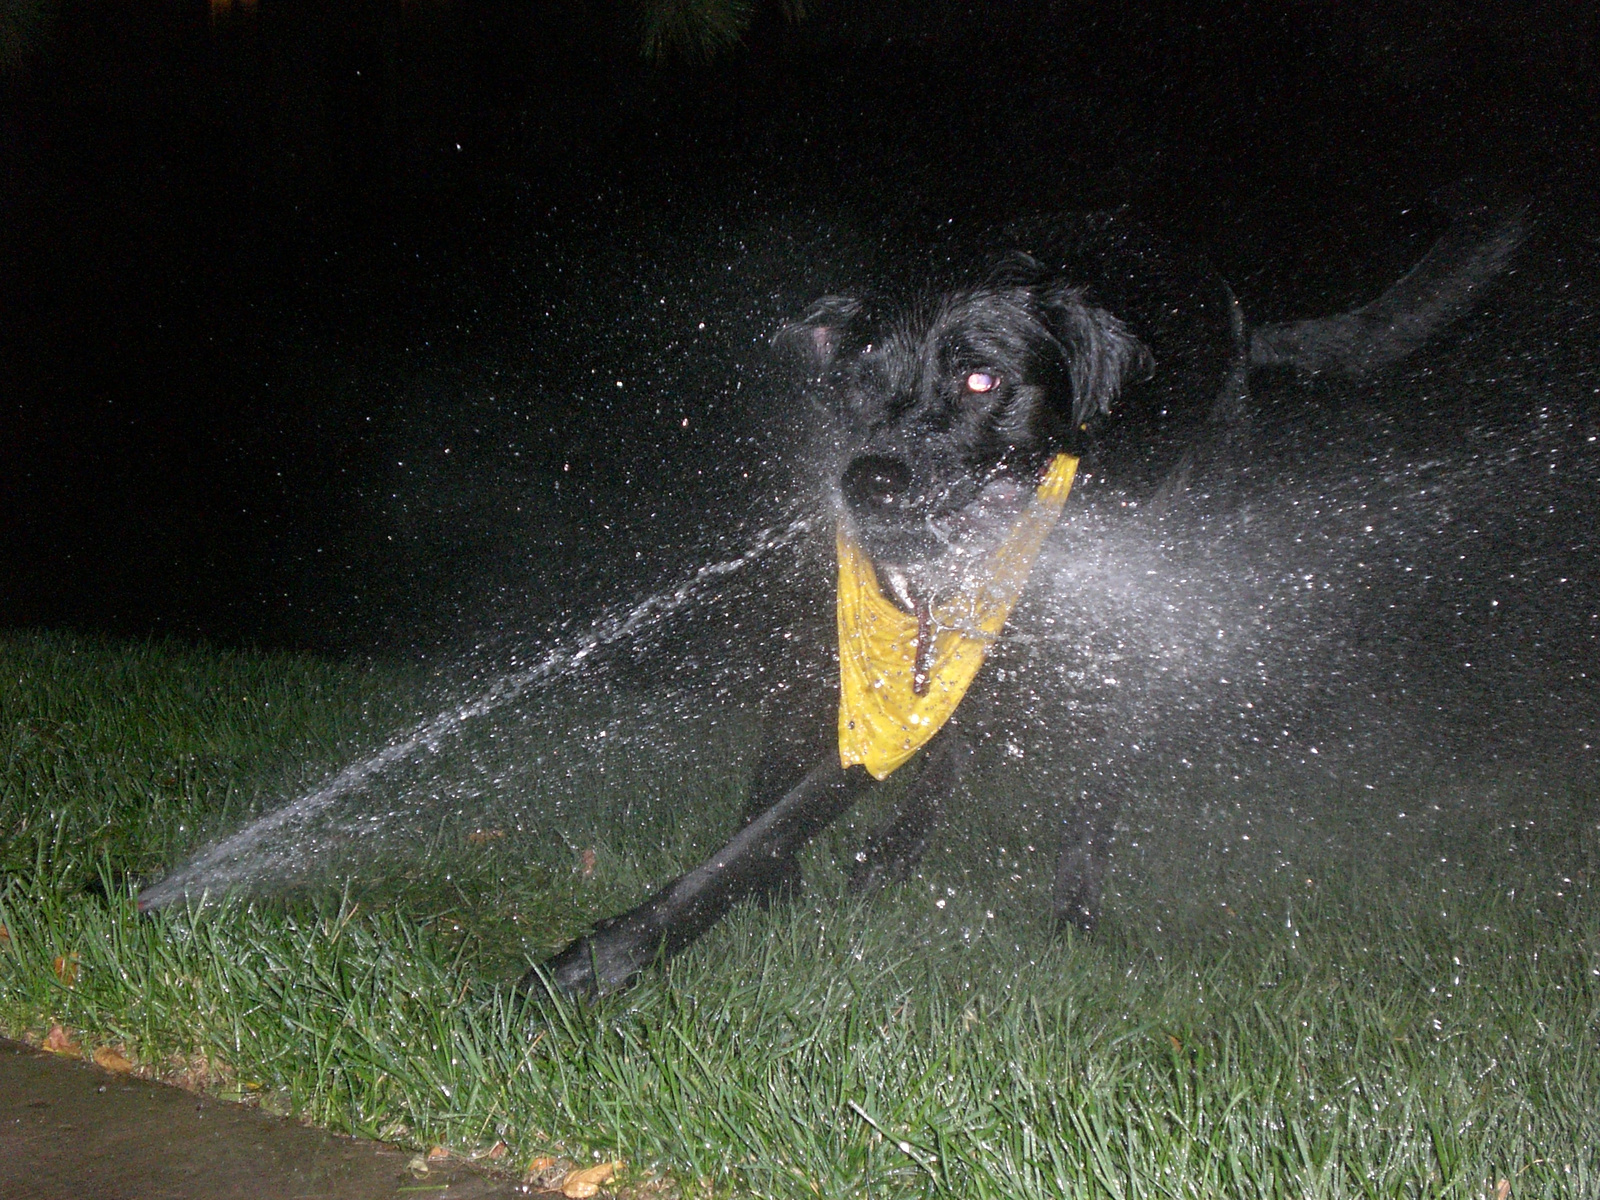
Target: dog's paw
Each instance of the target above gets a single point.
(569, 974)
(608, 960)
(1079, 879)
(1077, 914)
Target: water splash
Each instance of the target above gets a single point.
(265, 844)
(1273, 659)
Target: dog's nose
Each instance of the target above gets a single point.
(875, 483)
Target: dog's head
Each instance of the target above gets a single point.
(952, 405)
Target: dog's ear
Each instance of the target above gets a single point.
(1102, 353)
(1016, 269)
(816, 336)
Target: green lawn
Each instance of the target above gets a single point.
(1363, 1016)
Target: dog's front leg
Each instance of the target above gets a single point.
(620, 947)
(894, 850)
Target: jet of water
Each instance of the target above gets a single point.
(244, 853)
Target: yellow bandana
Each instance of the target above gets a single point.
(901, 675)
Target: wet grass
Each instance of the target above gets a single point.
(1326, 1022)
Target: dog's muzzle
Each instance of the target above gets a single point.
(901, 675)
(879, 493)
(876, 485)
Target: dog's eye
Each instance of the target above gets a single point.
(981, 381)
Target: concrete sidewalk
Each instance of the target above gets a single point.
(71, 1131)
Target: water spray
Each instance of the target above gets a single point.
(234, 858)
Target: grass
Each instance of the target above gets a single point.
(1313, 1021)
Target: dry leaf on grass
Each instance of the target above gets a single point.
(66, 968)
(579, 1185)
(546, 1172)
(112, 1059)
(496, 1152)
(437, 1154)
(5, 935)
(586, 863)
(59, 1041)
(482, 837)
(1502, 1189)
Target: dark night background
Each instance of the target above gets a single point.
(277, 283)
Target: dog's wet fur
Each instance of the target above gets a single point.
(1084, 335)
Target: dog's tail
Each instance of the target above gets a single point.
(1439, 289)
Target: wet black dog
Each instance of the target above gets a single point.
(1085, 336)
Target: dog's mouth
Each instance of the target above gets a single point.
(918, 563)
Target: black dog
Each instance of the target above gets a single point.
(1085, 336)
